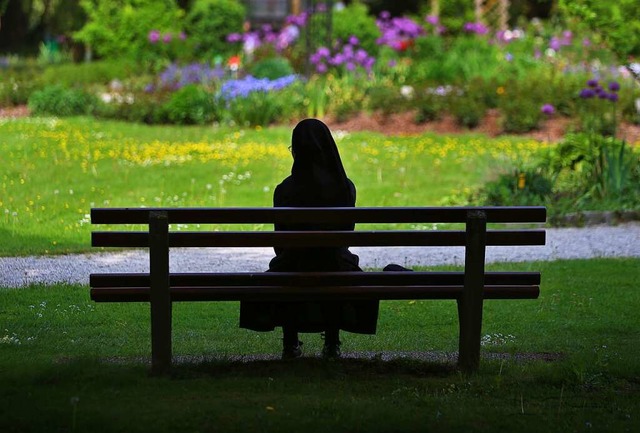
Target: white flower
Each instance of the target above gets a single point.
(407, 92)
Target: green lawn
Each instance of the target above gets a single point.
(67, 364)
(55, 170)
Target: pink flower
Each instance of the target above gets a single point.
(154, 36)
(166, 38)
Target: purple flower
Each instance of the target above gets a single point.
(592, 83)
(166, 38)
(338, 59)
(548, 109)
(508, 57)
(613, 97)
(234, 37)
(323, 52)
(321, 68)
(477, 28)
(385, 15)
(587, 93)
(392, 63)
(182, 36)
(242, 88)
(614, 86)
(353, 40)
(555, 44)
(154, 36)
(432, 19)
(603, 95)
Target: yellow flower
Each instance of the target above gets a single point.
(500, 90)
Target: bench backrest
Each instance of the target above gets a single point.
(479, 216)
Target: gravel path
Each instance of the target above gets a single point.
(562, 243)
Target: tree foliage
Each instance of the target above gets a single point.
(120, 28)
(617, 22)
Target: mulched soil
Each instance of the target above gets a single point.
(552, 129)
(403, 124)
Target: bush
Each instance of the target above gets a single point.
(468, 109)
(191, 105)
(138, 107)
(591, 167)
(99, 72)
(121, 29)
(16, 88)
(429, 104)
(520, 104)
(61, 101)
(272, 68)
(389, 99)
(210, 21)
(355, 20)
(256, 109)
(518, 188)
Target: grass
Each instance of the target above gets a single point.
(67, 364)
(55, 170)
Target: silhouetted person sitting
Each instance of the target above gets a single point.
(317, 179)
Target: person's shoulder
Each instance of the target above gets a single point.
(286, 183)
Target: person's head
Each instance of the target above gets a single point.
(312, 144)
(316, 160)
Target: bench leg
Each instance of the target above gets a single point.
(160, 295)
(470, 303)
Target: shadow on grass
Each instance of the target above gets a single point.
(315, 368)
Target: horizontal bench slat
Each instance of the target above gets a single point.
(288, 293)
(503, 214)
(303, 239)
(313, 278)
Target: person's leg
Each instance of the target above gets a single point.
(332, 343)
(290, 343)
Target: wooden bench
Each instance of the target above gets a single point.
(469, 287)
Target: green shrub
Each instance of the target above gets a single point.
(627, 104)
(136, 107)
(388, 99)
(61, 101)
(120, 29)
(355, 20)
(210, 21)
(16, 88)
(99, 72)
(345, 94)
(520, 105)
(429, 105)
(518, 188)
(256, 109)
(191, 105)
(272, 68)
(519, 116)
(468, 109)
(592, 167)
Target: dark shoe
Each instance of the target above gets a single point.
(331, 351)
(292, 351)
